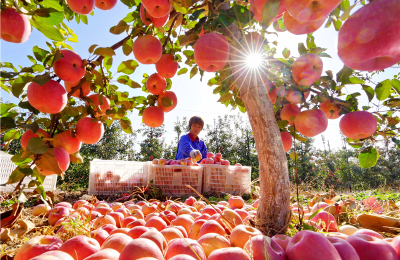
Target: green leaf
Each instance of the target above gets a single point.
(84, 18)
(15, 176)
(91, 48)
(107, 62)
(27, 105)
(370, 92)
(128, 67)
(39, 177)
(344, 74)
(41, 191)
(38, 68)
(54, 4)
(49, 16)
(21, 159)
(39, 53)
(225, 97)
(4, 108)
(48, 161)
(104, 51)
(270, 11)
(286, 53)
(310, 42)
(240, 14)
(396, 85)
(383, 89)
(48, 30)
(126, 125)
(34, 127)
(166, 102)
(42, 79)
(37, 145)
(182, 71)
(76, 158)
(368, 157)
(27, 171)
(7, 123)
(225, 20)
(12, 134)
(302, 48)
(353, 80)
(121, 27)
(20, 83)
(127, 47)
(193, 71)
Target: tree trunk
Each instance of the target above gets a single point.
(273, 212)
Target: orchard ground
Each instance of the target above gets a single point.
(388, 199)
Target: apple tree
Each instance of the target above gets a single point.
(285, 97)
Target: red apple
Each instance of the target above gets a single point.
(310, 10)
(37, 246)
(158, 8)
(104, 254)
(229, 253)
(166, 66)
(289, 111)
(262, 247)
(368, 40)
(106, 4)
(236, 201)
(327, 221)
(156, 237)
(211, 52)
(297, 27)
(185, 246)
(67, 141)
(85, 88)
(369, 232)
(49, 98)
(345, 250)
(70, 67)
(281, 240)
(307, 69)
(117, 242)
(156, 84)
(15, 27)
(89, 132)
(241, 234)
(142, 248)
(330, 109)
(81, 6)
(358, 124)
(212, 241)
(80, 247)
(307, 245)
(153, 116)
(104, 104)
(311, 122)
(147, 49)
(147, 19)
(257, 7)
(56, 214)
(371, 248)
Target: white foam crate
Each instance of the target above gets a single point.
(235, 180)
(108, 177)
(7, 167)
(173, 179)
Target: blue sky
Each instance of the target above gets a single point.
(194, 97)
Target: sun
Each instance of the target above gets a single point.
(254, 60)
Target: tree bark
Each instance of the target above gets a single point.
(273, 212)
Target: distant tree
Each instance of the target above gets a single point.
(151, 147)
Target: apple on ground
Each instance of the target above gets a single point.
(37, 246)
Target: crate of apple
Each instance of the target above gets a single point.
(185, 162)
(173, 176)
(220, 176)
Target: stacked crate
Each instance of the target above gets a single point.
(173, 179)
(108, 177)
(235, 180)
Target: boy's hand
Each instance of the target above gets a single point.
(196, 155)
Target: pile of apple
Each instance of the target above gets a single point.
(194, 230)
(211, 159)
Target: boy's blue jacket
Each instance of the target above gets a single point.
(187, 143)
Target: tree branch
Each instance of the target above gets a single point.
(99, 60)
(170, 31)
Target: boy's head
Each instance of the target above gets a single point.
(196, 124)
